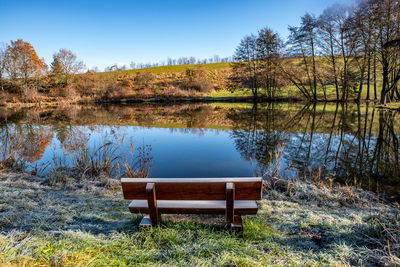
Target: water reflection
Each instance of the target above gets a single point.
(354, 143)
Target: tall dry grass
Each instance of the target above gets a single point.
(109, 158)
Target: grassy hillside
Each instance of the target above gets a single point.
(167, 69)
(166, 82)
(218, 73)
(180, 68)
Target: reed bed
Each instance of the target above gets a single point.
(85, 161)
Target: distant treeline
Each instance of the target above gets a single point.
(170, 62)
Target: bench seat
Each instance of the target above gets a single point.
(241, 207)
(232, 197)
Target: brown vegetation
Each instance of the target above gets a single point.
(196, 80)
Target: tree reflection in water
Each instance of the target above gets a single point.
(352, 143)
(355, 145)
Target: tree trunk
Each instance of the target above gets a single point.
(334, 71)
(375, 91)
(361, 87)
(368, 76)
(314, 71)
(385, 86)
(1, 82)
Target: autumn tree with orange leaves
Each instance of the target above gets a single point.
(23, 62)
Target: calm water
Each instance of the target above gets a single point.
(350, 143)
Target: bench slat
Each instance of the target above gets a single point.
(242, 207)
(193, 188)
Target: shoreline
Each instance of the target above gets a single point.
(188, 100)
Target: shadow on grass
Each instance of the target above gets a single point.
(42, 208)
(46, 209)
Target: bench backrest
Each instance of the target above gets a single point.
(193, 188)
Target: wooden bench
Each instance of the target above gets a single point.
(232, 197)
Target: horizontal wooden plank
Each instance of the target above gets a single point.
(192, 180)
(242, 207)
(193, 188)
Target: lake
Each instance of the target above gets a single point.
(349, 143)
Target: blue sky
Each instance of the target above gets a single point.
(102, 33)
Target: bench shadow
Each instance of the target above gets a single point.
(58, 211)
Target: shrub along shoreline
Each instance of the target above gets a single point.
(84, 220)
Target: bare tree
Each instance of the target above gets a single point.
(303, 43)
(345, 45)
(387, 18)
(247, 67)
(268, 49)
(362, 25)
(328, 38)
(70, 64)
(3, 63)
(255, 65)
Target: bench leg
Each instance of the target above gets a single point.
(237, 225)
(152, 202)
(145, 222)
(230, 202)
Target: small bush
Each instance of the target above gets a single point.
(68, 91)
(144, 79)
(197, 80)
(88, 85)
(12, 86)
(175, 91)
(127, 83)
(30, 92)
(3, 100)
(116, 90)
(164, 83)
(55, 178)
